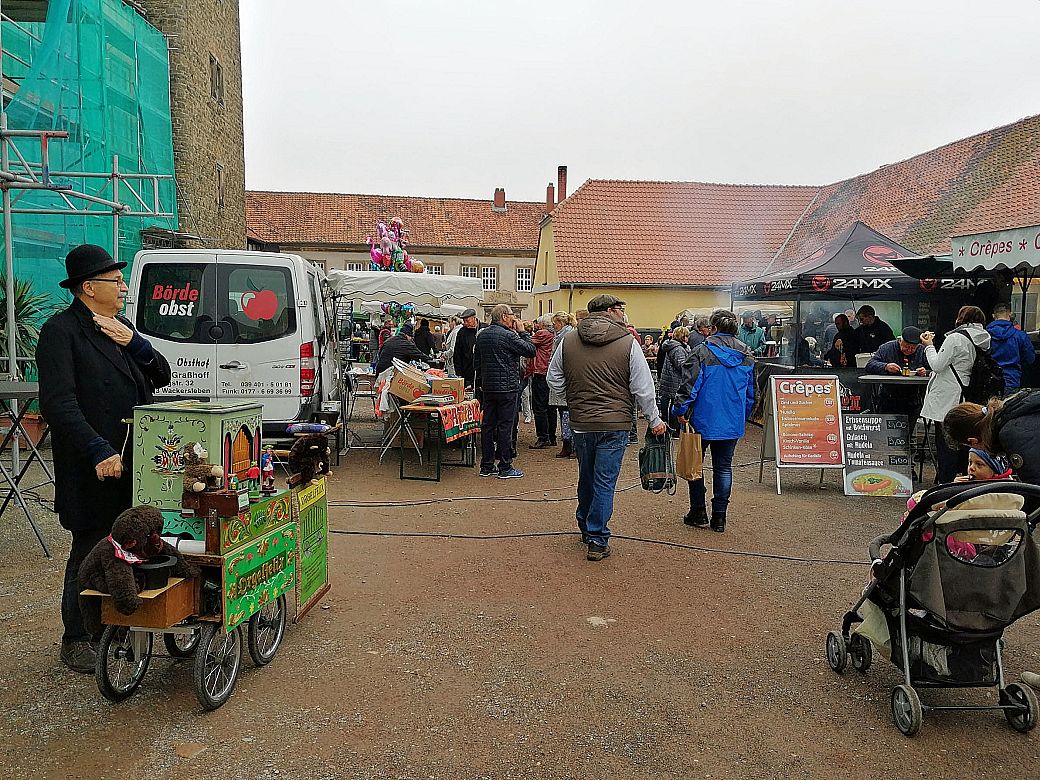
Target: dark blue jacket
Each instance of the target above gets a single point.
(719, 387)
(1012, 349)
(889, 352)
(496, 359)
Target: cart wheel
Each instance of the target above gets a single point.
(1022, 719)
(122, 660)
(906, 710)
(837, 652)
(182, 645)
(861, 651)
(217, 661)
(265, 631)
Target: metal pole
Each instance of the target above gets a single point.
(115, 210)
(12, 326)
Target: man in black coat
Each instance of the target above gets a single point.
(496, 360)
(464, 342)
(94, 368)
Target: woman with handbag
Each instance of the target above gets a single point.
(716, 396)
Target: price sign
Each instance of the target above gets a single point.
(807, 421)
(877, 454)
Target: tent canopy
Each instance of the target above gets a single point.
(858, 264)
(1016, 250)
(390, 286)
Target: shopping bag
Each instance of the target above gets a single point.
(656, 472)
(690, 456)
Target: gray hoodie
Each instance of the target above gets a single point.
(957, 355)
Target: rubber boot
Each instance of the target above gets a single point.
(718, 522)
(696, 517)
(566, 450)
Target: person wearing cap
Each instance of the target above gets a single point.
(458, 347)
(402, 346)
(94, 368)
(754, 337)
(602, 371)
(901, 356)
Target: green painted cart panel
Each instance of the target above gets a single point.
(258, 573)
(254, 522)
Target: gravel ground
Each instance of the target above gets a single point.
(516, 658)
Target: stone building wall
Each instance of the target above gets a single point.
(208, 136)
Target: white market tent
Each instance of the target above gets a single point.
(402, 287)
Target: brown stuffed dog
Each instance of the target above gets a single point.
(309, 457)
(109, 567)
(198, 473)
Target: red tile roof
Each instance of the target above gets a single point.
(310, 218)
(990, 181)
(676, 233)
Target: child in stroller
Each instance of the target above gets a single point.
(941, 615)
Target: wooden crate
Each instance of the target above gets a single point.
(162, 607)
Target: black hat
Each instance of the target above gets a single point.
(604, 302)
(911, 335)
(406, 330)
(468, 313)
(85, 262)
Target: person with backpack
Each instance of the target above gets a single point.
(952, 374)
(1012, 348)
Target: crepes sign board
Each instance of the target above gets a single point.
(807, 422)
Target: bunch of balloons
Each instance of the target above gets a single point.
(389, 253)
(397, 310)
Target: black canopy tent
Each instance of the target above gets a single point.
(858, 265)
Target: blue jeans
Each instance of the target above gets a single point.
(599, 464)
(721, 477)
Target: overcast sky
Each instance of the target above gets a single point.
(438, 98)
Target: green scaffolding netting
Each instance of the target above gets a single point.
(98, 71)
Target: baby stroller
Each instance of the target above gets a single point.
(962, 567)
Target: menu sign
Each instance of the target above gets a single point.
(877, 456)
(807, 421)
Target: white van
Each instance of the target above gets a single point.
(239, 326)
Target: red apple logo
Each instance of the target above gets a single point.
(259, 305)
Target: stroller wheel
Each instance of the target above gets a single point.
(906, 710)
(1023, 717)
(837, 652)
(861, 651)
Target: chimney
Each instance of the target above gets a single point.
(499, 202)
(561, 177)
(550, 198)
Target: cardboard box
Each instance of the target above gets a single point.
(454, 387)
(409, 383)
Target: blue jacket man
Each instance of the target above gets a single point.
(893, 357)
(1009, 346)
(717, 395)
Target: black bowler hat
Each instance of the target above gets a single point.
(87, 261)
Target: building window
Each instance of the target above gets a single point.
(220, 186)
(356, 266)
(471, 271)
(318, 264)
(216, 80)
(437, 270)
(524, 279)
(489, 277)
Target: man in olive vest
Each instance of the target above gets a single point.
(602, 370)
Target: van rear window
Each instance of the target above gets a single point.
(258, 300)
(179, 301)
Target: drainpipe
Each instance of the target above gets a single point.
(570, 300)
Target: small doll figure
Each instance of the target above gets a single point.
(267, 467)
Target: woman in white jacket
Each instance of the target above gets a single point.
(951, 373)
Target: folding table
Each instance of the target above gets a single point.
(21, 393)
